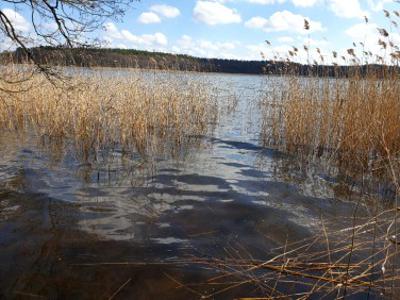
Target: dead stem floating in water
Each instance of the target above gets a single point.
(97, 113)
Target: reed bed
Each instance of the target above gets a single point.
(350, 122)
(94, 113)
(350, 119)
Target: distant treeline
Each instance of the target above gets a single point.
(129, 58)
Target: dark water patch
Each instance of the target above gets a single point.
(170, 170)
(253, 173)
(237, 144)
(236, 165)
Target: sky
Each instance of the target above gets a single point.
(238, 29)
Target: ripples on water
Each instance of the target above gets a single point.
(58, 216)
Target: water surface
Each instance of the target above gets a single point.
(72, 230)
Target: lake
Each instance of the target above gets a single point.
(149, 229)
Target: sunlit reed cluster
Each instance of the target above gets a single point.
(354, 122)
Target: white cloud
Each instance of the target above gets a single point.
(236, 50)
(362, 31)
(256, 22)
(114, 37)
(149, 18)
(153, 16)
(301, 3)
(266, 2)
(17, 20)
(122, 46)
(284, 21)
(259, 51)
(317, 43)
(377, 5)
(205, 48)
(48, 26)
(6, 44)
(112, 31)
(369, 35)
(285, 39)
(347, 8)
(304, 3)
(157, 38)
(281, 52)
(213, 13)
(166, 11)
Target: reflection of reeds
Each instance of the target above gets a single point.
(96, 113)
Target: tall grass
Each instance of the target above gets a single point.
(351, 122)
(95, 113)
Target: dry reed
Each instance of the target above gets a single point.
(351, 121)
(348, 121)
(96, 113)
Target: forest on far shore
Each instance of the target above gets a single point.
(130, 58)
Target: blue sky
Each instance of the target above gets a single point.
(238, 28)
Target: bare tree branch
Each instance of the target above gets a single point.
(60, 23)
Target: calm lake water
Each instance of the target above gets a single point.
(71, 230)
